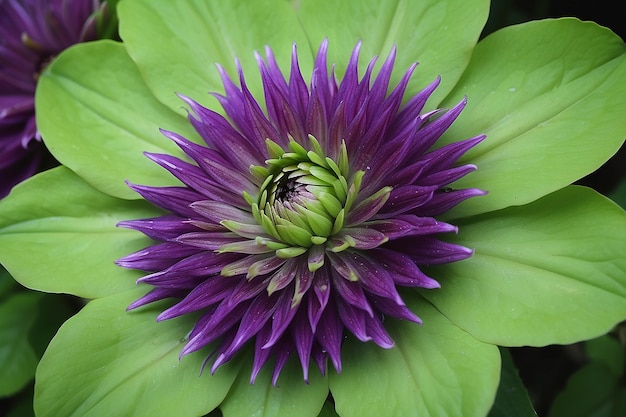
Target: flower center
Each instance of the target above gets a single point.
(304, 194)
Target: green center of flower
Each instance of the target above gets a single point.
(304, 195)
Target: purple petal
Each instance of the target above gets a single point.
(212, 291)
(212, 326)
(156, 294)
(318, 300)
(354, 319)
(282, 318)
(330, 335)
(352, 293)
(369, 273)
(432, 131)
(403, 269)
(409, 225)
(406, 198)
(160, 228)
(444, 200)
(202, 264)
(377, 332)
(390, 308)
(212, 241)
(157, 257)
(283, 277)
(303, 340)
(174, 199)
(255, 317)
(429, 251)
(363, 237)
(444, 157)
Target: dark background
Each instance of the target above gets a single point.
(607, 13)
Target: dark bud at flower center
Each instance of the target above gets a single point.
(286, 189)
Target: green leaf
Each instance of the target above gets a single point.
(549, 95)
(607, 350)
(105, 361)
(593, 391)
(619, 194)
(440, 35)
(435, 369)
(17, 313)
(7, 283)
(194, 35)
(552, 271)
(97, 117)
(177, 44)
(512, 399)
(57, 234)
(290, 397)
(52, 311)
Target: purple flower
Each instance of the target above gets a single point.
(301, 224)
(32, 33)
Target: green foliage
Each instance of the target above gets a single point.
(619, 194)
(104, 361)
(422, 31)
(435, 369)
(69, 228)
(99, 122)
(512, 399)
(549, 96)
(597, 389)
(552, 271)
(290, 397)
(177, 44)
(28, 320)
(17, 314)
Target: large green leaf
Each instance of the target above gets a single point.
(18, 359)
(107, 362)
(549, 95)
(290, 397)
(435, 369)
(58, 234)
(177, 44)
(512, 399)
(440, 35)
(552, 271)
(97, 117)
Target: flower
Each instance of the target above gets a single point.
(294, 226)
(32, 33)
(547, 267)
